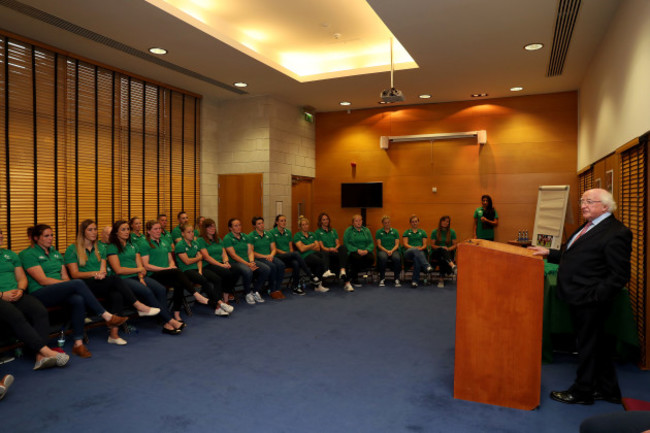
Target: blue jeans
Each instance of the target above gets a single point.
(261, 274)
(77, 295)
(383, 258)
(276, 275)
(419, 261)
(153, 294)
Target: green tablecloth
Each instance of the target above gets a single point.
(557, 320)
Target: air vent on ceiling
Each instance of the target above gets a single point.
(567, 13)
(104, 40)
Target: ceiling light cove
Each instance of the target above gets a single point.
(356, 43)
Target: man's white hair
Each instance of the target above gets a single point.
(607, 199)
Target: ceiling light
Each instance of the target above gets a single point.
(240, 84)
(534, 46)
(344, 103)
(478, 95)
(425, 96)
(516, 89)
(157, 50)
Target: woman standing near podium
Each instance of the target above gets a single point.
(485, 219)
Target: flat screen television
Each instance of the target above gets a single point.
(362, 195)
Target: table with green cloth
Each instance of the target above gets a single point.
(557, 320)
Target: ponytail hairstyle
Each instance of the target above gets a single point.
(302, 219)
(255, 220)
(81, 239)
(132, 221)
(320, 220)
(439, 231)
(148, 226)
(277, 217)
(113, 237)
(36, 232)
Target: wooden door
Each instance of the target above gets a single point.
(240, 196)
(301, 198)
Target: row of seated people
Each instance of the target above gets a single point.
(142, 266)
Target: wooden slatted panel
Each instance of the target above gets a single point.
(585, 182)
(150, 109)
(176, 155)
(4, 200)
(79, 141)
(633, 212)
(86, 170)
(20, 157)
(104, 147)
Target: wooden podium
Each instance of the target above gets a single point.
(499, 308)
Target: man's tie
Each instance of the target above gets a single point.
(582, 232)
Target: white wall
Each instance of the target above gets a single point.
(254, 135)
(614, 101)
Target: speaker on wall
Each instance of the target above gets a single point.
(383, 142)
(481, 137)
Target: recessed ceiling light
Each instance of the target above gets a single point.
(516, 89)
(344, 103)
(425, 96)
(240, 84)
(478, 95)
(157, 50)
(534, 46)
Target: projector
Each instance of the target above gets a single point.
(392, 95)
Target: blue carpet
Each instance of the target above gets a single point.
(376, 360)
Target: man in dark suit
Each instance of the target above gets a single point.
(594, 267)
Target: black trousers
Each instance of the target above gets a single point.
(596, 370)
(229, 277)
(28, 319)
(316, 263)
(178, 280)
(114, 290)
(358, 262)
(210, 284)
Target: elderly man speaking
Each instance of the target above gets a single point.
(594, 267)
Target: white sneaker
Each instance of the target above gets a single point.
(220, 312)
(258, 298)
(321, 289)
(328, 274)
(397, 283)
(225, 307)
(429, 269)
(119, 341)
(441, 284)
(250, 300)
(342, 274)
(348, 287)
(382, 283)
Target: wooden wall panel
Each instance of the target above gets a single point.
(531, 142)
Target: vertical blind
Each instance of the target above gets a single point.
(585, 183)
(81, 141)
(633, 200)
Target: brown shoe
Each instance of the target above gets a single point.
(277, 295)
(81, 351)
(116, 320)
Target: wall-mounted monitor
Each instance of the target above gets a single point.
(362, 195)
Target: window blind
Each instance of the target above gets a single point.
(82, 141)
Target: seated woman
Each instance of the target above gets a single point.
(158, 261)
(310, 251)
(240, 251)
(24, 314)
(86, 261)
(290, 258)
(49, 282)
(190, 261)
(135, 224)
(335, 254)
(215, 258)
(414, 240)
(443, 245)
(358, 241)
(264, 250)
(388, 249)
(126, 262)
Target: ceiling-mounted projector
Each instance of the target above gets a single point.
(392, 95)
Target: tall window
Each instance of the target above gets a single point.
(81, 141)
